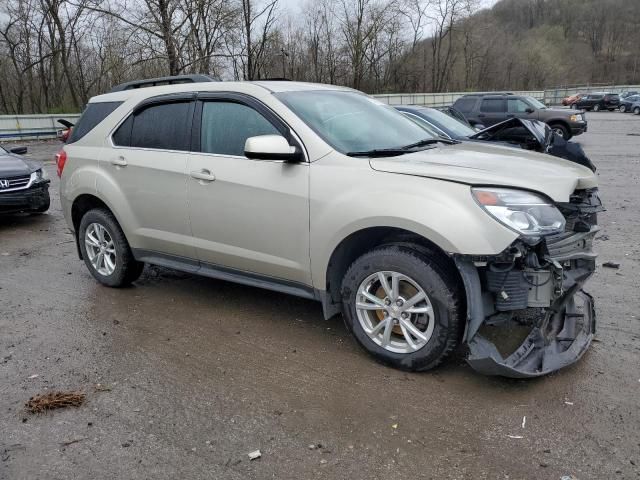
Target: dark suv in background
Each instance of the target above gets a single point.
(484, 110)
(598, 101)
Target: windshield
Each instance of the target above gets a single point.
(353, 122)
(535, 102)
(452, 126)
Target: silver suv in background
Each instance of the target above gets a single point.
(325, 193)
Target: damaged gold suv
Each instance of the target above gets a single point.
(325, 193)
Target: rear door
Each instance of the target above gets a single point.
(246, 215)
(492, 111)
(148, 163)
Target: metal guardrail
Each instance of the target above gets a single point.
(22, 127)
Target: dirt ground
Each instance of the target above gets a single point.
(196, 373)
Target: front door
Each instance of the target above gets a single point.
(246, 215)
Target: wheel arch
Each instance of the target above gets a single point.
(81, 205)
(361, 241)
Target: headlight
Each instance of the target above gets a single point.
(39, 176)
(529, 214)
(577, 118)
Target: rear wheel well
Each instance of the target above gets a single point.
(82, 205)
(362, 241)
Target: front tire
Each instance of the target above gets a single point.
(623, 108)
(561, 130)
(596, 108)
(636, 111)
(105, 249)
(403, 307)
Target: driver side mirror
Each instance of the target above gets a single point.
(19, 150)
(271, 147)
(529, 110)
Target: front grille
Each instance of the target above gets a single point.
(14, 183)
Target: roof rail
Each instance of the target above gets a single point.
(478, 94)
(152, 82)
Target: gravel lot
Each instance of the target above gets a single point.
(196, 373)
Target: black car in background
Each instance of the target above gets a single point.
(598, 101)
(520, 133)
(627, 102)
(24, 185)
(486, 109)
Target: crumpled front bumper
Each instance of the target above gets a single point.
(27, 200)
(539, 355)
(563, 330)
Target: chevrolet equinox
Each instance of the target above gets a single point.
(421, 243)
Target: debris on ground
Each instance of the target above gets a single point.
(52, 400)
(604, 238)
(524, 421)
(568, 403)
(516, 437)
(611, 265)
(71, 442)
(35, 375)
(254, 455)
(101, 388)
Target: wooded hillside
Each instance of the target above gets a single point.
(56, 54)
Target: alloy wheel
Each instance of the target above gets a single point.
(101, 249)
(395, 312)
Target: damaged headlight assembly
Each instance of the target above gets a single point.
(529, 214)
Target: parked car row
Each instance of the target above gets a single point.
(597, 101)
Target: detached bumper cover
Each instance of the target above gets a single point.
(27, 200)
(538, 355)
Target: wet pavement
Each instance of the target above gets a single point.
(196, 373)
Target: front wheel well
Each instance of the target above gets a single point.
(362, 241)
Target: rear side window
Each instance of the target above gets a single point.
(492, 105)
(93, 114)
(227, 125)
(465, 105)
(163, 126)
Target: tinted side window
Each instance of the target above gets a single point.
(465, 104)
(515, 105)
(227, 125)
(492, 105)
(93, 114)
(165, 126)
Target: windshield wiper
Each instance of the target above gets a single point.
(430, 141)
(381, 152)
(393, 152)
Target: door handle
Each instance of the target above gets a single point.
(119, 161)
(204, 175)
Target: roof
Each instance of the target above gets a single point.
(255, 87)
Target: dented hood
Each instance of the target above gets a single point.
(479, 164)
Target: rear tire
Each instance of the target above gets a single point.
(636, 111)
(596, 108)
(105, 249)
(419, 338)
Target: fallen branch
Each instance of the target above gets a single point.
(52, 400)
